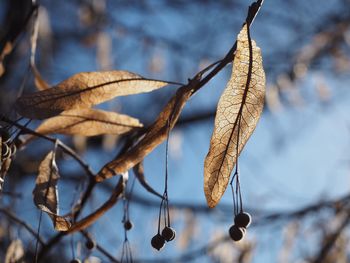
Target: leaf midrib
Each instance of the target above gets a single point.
(245, 93)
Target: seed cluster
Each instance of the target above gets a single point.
(158, 241)
(168, 233)
(241, 222)
(8, 150)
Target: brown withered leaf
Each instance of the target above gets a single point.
(15, 252)
(45, 193)
(90, 219)
(2, 68)
(156, 134)
(39, 82)
(83, 90)
(238, 112)
(88, 122)
(6, 50)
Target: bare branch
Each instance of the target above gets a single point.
(14, 218)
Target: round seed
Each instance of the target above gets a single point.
(158, 242)
(243, 220)
(168, 233)
(128, 225)
(236, 233)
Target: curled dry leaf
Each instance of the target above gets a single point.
(15, 252)
(39, 82)
(88, 122)
(6, 50)
(83, 90)
(238, 112)
(156, 134)
(45, 192)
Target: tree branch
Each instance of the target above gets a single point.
(22, 223)
(331, 240)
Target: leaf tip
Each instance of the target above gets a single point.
(212, 199)
(211, 203)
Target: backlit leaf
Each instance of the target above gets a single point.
(156, 134)
(3, 53)
(15, 252)
(238, 112)
(40, 83)
(88, 122)
(45, 192)
(83, 90)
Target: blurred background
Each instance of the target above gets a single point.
(294, 170)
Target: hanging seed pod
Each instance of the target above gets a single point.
(5, 166)
(158, 242)
(5, 136)
(236, 233)
(243, 220)
(168, 233)
(128, 225)
(5, 150)
(90, 244)
(13, 149)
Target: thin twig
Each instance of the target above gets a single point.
(331, 240)
(91, 218)
(22, 223)
(51, 243)
(63, 146)
(100, 248)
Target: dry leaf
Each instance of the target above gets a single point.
(238, 112)
(90, 219)
(45, 192)
(83, 90)
(6, 50)
(15, 252)
(88, 122)
(39, 82)
(156, 134)
(92, 259)
(2, 68)
(41, 28)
